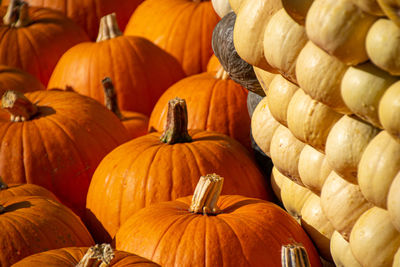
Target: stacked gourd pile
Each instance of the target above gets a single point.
(330, 120)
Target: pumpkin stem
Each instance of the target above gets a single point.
(1, 209)
(17, 14)
(177, 120)
(206, 195)
(294, 256)
(222, 74)
(108, 28)
(98, 255)
(20, 108)
(3, 185)
(110, 97)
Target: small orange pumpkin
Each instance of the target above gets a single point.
(19, 80)
(13, 190)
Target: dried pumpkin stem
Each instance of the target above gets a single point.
(108, 28)
(3, 185)
(222, 74)
(176, 128)
(110, 97)
(17, 14)
(98, 255)
(20, 108)
(206, 195)
(294, 256)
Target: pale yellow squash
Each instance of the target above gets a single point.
(235, 5)
(370, 6)
(221, 7)
(393, 202)
(396, 260)
(391, 9)
(264, 78)
(341, 252)
(297, 9)
(277, 179)
(389, 110)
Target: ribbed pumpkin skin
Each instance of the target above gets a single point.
(140, 71)
(15, 190)
(87, 13)
(213, 105)
(32, 224)
(145, 171)
(37, 47)
(18, 80)
(60, 148)
(135, 123)
(181, 27)
(67, 257)
(248, 232)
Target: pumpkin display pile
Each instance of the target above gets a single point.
(200, 133)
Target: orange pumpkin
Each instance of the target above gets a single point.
(19, 80)
(181, 27)
(34, 39)
(209, 230)
(146, 170)
(86, 257)
(213, 65)
(12, 190)
(141, 71)
(215, 104)
(87, 13)
(57, 142)
(33, 224)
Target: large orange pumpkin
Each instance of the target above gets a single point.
(32, 224)
(208, 230)
(181, 27)
(19, 80)
(146, 170)
(140, 70)
(57, 142)
(12, 190)
(87, 13)
(34, 39)
(214, 104)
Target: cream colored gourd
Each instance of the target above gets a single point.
(313, 169)
(309, 120)
(378, 166)
(374, 240)
(264, 78)
(283, 41)
(235, 5)
(285, 151)
(319, 75)
(341, 252)
(248, 33)
(318, 227)
(383, 45)
(391, 9)
(293, 197)
(396, 260)
(279, 95)
(342, 203)
(340, 28)
(362, 88)
(263, 126)
(389, 110)
(297, 9)
(370, 6)
(345, 144)
(393, 202)
(221, 7)
(277, 179)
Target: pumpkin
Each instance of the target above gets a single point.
(213, 65)
(378, 166)
(374, 240)
(346, 143)
(283, 41)
(313, 169)
(249, 30)
(319, 75)
(32, 224)
(294, 256)
(84, 257)
(264, 78)
(341, 251)
(56, 139)
(342, 203)
(215, 104)
(88, 13)
(148, 170)
(221, 7)
(239, 70)
(389, 110)
(297, 10)
(393, 202)
(139, 81)
(362, 88)
(11, 190)
(369, 6)
(222, 230)
(279, 94)
(390, 7)
(48, 33)
(309, 120)
(135, 123)
(19, 80)
(183, 28)
(340, 28)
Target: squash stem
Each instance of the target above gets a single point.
(110, 97)
(206, 195)
(294, 256)
(176, 128)
(3, 185)
(222, 74)
(20, 108)
(108, 28)
(17, 14)
(98, 255)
